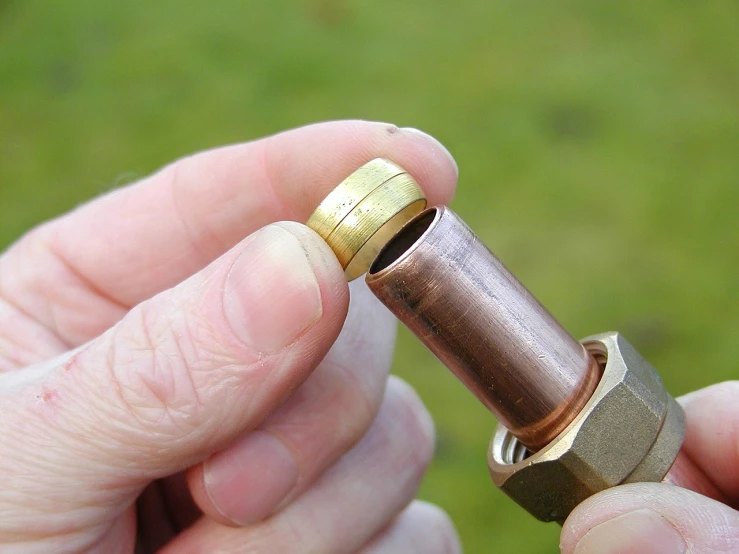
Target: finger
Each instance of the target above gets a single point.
(320, 422)
(80, 273)
(163, 510)
(177, 379)
(712, 435)
(351, 502)
(421, 528)
(650, 517)
(22, 340)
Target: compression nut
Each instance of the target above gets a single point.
(630, 431)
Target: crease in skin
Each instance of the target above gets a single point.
(24, 337)
(13, 381)
(61, 300)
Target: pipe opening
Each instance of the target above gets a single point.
(403, 241)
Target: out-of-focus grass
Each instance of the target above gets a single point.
(598, 145)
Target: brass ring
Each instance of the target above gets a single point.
(365, 211)
(352, 190)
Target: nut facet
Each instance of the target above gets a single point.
(630, 430)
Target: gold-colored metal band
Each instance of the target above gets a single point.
(352, 190)
(365, 211)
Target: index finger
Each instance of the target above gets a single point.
(134, 242)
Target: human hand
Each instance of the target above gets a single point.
(165, 382)
(662, 518)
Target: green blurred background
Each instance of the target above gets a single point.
(598, 145)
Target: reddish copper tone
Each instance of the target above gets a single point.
(481, 322)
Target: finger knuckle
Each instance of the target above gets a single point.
(435, 527)
(148, 363)
(349, 394)
(417, 427)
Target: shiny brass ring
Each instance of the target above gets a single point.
(365, 211)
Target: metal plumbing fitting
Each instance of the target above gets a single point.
(629, 431)
(574, 418)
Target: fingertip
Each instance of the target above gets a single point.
(330, 151)
(244, 483)
(440, 154)
(195, 477)
(196, 486)
(329, 273)
(283, 282)
(594, 510)
(641, 517)
(327, 267)
(423, 156)
(642, 530)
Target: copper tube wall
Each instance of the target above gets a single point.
(439, 279)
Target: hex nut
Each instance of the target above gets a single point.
(630, 430)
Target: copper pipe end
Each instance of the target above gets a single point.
(439, 279)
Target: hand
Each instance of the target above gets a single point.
(166, 382)
(662, 518)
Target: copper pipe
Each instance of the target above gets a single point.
(441, 281)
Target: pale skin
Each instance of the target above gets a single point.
(182, 370)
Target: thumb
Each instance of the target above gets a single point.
(180, 376)
(650, 517)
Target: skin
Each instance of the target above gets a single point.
(664, 518)
(180, 373)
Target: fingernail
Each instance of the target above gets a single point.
(272, 295)
(248, 481)
(637, 531)
(438, 145)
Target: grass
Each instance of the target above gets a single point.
(597, 144)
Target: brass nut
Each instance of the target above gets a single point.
(631, 430)
(365, 211)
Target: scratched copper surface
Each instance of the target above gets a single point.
(445, 285)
